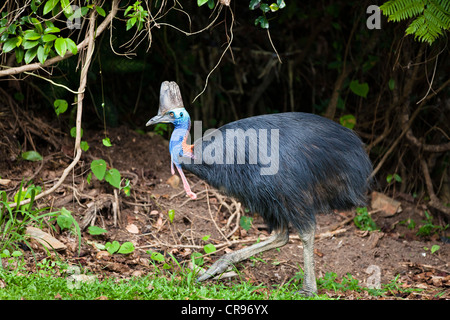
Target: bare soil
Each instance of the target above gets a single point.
(143, 219)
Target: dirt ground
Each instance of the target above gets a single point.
(143, 219)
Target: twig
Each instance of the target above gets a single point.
(212, 218)
(273, 46)
(221, 57)
(434, 200)
(51, 81)
(116, 208)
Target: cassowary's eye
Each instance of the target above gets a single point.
(181, 114)
(171, 114)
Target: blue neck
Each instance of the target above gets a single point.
(180, 132)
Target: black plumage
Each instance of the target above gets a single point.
(322, 167)
(287, 167)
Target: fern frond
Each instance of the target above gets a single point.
(432, 17)
(398, 10)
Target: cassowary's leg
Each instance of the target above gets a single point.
(309, 281)
(277, 240)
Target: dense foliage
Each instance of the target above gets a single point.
(234, 59)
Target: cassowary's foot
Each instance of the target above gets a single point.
(191, 195)
(307, 292)
(278, 239)
(218, 267)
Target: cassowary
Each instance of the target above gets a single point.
(286, 167)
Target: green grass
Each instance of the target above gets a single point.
(52, 280)
(47, 286)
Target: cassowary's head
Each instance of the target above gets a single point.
(171, 108)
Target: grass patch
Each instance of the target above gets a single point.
(55, 280)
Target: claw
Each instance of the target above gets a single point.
(306, 293)
(218, 267)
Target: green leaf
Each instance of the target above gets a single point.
(65, 5)
(61, 46)
(48, 37)
(107, 142)
(89, 178)
(254, 4)
(197, 258)
(391, 84)
(29, 44)
(94, 230)
(171, 214)
(127, 10)
(71, 46)
(98, 167)
(435, 248)
(112, 247)
(60, 106)
(130, 23)
(41, 54)
(281, 4)
(348, 121)
(264, 7)
(157, 256)
(209, 248)
(37, 24)
(397, 178)
(19, 253)
(274, 7)
(360, 89)
(33, 6)
(51, 29)
(126, 248)
(65, 220)
(201, 2)
(19, 54)
(205, 238)
(246, 222)
(31, 35)
(73, 132)
(5, 254)
(31, 156)
(10, 44)
(262, 21)
(84, 146)
(100, 11)
(389, 178)
(113, 177)
(49, 6)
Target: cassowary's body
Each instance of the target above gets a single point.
(322, 167)
(318, 166)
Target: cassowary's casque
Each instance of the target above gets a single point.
(287, 167)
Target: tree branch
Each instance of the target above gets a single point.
(90, 40)
(81, 45)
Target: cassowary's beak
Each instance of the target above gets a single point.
(159, 119)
